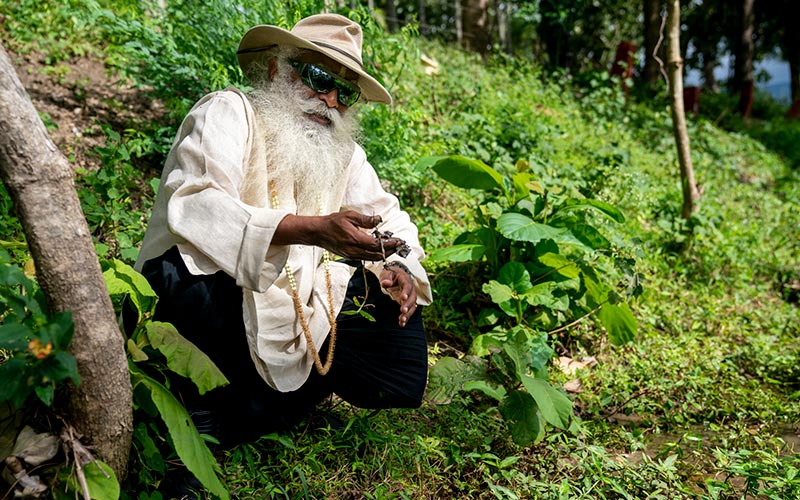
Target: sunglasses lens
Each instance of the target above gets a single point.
(323, 82)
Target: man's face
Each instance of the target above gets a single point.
(332, 98)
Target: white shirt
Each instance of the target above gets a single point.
(200, 208)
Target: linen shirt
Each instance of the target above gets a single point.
(202, 207)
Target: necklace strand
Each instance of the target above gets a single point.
(322, 369)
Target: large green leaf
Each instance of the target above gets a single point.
(618, 320)
(470, 174)
(185, 358)
(590, 236)
(542, 295)
(520, 227)
(457, 253)
(516, 276)
(499, 292)
(522, 417)
(485, 344)
(561, 264)
(449, 376)
(492, 390)
(102, 483)
(122, 279)
(189, 445)
(606, 208)
(555, 406)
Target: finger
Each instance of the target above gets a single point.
(365, 221)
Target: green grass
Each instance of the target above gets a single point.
(703, 404)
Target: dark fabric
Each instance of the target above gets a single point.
(376, 364)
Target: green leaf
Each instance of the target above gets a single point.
(555, 406)
(137, 355)
(590, 236)
(14, 336)
(449, 375)
(469, 174)
(521, 414)
(542, 295)
(606, 208)
(499, 292)
(189, 445)
(492, 390)
(100, 479)
(13, 388)
(561, 264)
(516, 276)
(520, 227)
(618, 320)
(457, 253)
(122, 279)
(148, 449)
(426, 162)
(485, 344)
(45, 393)
(185, 358)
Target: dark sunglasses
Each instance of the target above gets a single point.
(323, 82)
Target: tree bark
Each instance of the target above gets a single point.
(476, 26)
(652, 30)
(391, 17)
(675, 71)
(39, 180)
(743, 66)
(423, 18)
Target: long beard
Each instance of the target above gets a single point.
(305, 159)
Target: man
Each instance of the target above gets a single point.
(271, 235)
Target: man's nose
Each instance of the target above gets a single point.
(331, 98)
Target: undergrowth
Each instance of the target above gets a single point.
(703, 403)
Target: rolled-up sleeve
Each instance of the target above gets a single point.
(364, 194)
(204, 207)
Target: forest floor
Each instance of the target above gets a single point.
(75, 98)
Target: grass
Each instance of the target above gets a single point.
(702, 405)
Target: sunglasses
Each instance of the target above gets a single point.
(323, 82)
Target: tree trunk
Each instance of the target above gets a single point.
(39, 180)
(423, 18)
(675, 72)
(476, 26)
(391, 17)
(743, 67)
(459, 21)
(652, 32)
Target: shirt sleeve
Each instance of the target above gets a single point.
(365, 195)
(205, 208)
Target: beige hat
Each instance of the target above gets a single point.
(330, 34)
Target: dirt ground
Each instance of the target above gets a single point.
(76, 98)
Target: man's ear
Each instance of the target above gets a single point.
(272, 69)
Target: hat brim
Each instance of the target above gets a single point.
(261, 38)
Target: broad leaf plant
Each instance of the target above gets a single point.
(543, 258)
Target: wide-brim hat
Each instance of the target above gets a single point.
(335, 36)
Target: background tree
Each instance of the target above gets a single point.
(39, 180)
(675, 72)
(476, 34)
(743, 81)
(652, 31)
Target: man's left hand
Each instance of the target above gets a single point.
(401, 288)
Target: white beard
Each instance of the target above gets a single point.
(305, 159)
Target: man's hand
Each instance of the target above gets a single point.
(340, 233)
(401, 288)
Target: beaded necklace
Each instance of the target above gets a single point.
(298, 308)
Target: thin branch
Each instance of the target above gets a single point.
(655, 51)
(570, 325)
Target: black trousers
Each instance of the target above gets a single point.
(376, 364)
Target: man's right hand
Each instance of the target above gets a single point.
(340, 233)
